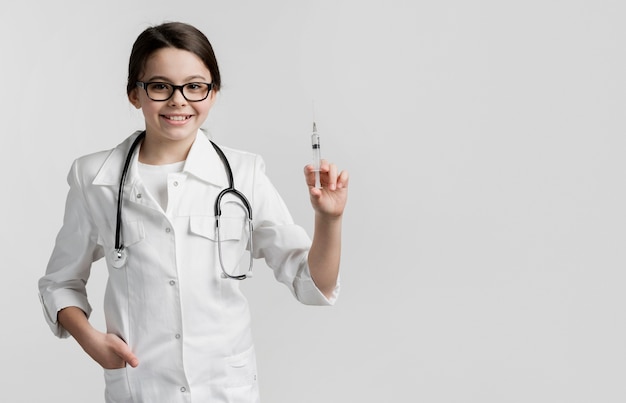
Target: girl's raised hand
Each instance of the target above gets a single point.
(331, 199)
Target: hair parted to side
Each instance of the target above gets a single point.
(177, 35)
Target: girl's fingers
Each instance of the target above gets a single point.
(342, 180)
(331, 178)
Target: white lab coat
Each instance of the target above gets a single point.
(189, 327)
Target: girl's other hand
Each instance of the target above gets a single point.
(110, 351)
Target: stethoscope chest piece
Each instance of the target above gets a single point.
(118, 258)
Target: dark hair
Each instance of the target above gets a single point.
(171, 35)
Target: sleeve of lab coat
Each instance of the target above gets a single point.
(283, 244)
(64, 283)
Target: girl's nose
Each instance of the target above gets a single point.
(177, 97)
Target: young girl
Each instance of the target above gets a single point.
(172, 213)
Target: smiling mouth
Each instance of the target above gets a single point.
(177, 118)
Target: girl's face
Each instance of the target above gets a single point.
(175, 119)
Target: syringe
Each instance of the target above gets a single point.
(317, 157)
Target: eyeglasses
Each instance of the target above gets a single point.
(160, 91)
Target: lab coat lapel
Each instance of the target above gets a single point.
(204, 163)
(111, 172)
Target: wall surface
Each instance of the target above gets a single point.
(484, 256)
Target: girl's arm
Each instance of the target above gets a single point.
(106, 349)
(329, 203)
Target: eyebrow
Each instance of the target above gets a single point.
(188, 79)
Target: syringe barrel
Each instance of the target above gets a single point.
(315, 145)
(317, 157)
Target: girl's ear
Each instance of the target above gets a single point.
(133, 97)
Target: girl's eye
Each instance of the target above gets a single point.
(196, 87)
(161, 87)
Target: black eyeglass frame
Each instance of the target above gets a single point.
(144, 85)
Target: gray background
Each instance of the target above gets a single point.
(484, 237)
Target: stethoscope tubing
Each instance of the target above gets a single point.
(119, 246)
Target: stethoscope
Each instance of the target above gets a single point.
(119, 252)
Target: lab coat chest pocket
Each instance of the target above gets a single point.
(205, 226)
(132, 232)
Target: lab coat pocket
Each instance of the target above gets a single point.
(241, 377)
(117, 389)
(230, 228)
(132, 232)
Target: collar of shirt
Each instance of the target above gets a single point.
(202, 162)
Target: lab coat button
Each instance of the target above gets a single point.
(177, 336)
(168, 230)
(139, 195)
(183, 389)
(175, 183)
(172, 282)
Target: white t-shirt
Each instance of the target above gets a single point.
(154, 178)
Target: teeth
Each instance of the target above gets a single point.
(178, 118)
